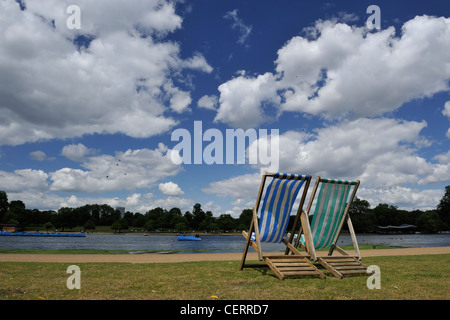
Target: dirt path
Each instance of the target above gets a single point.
(186, 257)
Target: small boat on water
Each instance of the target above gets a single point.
(189, 238)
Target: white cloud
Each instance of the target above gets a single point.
(346, 70)
(242, 100)
(122, 83)
(336, 71)
(238, 187)
(148, 202)
(127, 170)
(76, 152)
(379, 152)
(382, 153)
(24, 179)
(170, 189)
(239, 25)
(403, 197)
(155, 17)
(208, 102)
(38, 155)
(446, 112)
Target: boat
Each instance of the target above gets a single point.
(189, 238)
(41, 234)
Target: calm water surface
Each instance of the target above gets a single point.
(214, 243)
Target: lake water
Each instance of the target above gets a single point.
(134, 243)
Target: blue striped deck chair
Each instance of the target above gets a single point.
(276, 207)
(331, 210)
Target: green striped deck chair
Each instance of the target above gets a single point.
(277, 204)
(331, 211)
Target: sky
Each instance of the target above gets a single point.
(96, 98)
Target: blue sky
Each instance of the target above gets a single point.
(91, 121)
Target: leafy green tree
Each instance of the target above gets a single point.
(443, 209)
(362, 216)
(245, 218)
(3, 204)
(226, 222)
(17, 211)
(180, 227)
(189, 219)
(198, 216)
(89, 225)
(116, 226)
(138, 220)
(428, 222)
(208, 223)
(66, 218)
(120, 224)
(48, 225)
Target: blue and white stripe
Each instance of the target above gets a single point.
(277, 205)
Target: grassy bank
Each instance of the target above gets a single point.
(405, 277)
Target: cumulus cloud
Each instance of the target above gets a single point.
(38, 155)
(338, 71)
(76, 152)
(127, 170)
(121, 80)
(402, 197)
(170, 189)
(346, 70)
(24, 179)
(382, 153)
(245, 101)
(208, 102)
(446, 112)
(238, 187)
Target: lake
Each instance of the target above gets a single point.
(136, 243)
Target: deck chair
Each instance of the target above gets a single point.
(277, 204)
(332, 206)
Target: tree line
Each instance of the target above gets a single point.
(365, 219)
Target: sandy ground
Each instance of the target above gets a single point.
(186, 257)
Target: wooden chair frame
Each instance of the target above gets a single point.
(337, 265)
(296, 264)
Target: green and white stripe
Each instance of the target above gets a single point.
(330, 206)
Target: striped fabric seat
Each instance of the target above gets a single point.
(277, 205)
(329, 210)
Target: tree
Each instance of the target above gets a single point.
(198, 216)
(428, 222)
(66, 218)
(48, 225)
(363, 219)
(120, 224)
(209, 222)
(359, 207)
(225, 222)
(3, 204)
(89, 225)
(443, 209)
(138, 220)
(244, 219)
(116, 226)
(180, 226)
(189, 218)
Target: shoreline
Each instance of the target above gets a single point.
(191, 257)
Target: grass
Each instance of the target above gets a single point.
(424, 277)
